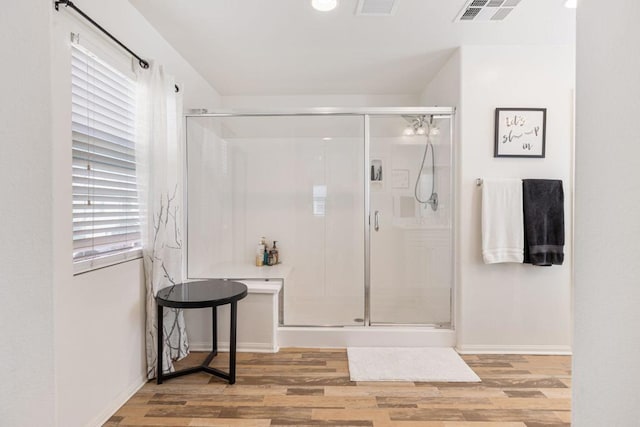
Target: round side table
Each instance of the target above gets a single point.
(201, 294)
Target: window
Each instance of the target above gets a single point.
(106, 216)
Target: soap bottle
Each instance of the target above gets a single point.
(273, 254)
(260, 253)
(265, 256)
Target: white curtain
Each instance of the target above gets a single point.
(159, 150)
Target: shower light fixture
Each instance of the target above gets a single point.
(414, 128)
(324, 5)
(409, 131)
(420, 126)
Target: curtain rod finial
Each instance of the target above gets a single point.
(57, 4)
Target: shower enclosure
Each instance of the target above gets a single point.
(359, 201)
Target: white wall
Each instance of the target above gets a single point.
(444, 89)
(99, 316)
(101, 351)
(607, 291)
(310, 101)
(26, 284)
(509, 308)
(210, 238)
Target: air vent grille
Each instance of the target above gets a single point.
(486, 10)
(377, 7)
(470, 13)
(501, 14)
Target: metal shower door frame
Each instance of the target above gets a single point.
(366, 114)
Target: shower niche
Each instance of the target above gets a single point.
(345, 195)
(375, 171)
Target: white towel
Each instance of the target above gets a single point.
(502, 221)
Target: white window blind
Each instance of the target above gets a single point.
(106, 216)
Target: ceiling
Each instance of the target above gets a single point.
(284, 47)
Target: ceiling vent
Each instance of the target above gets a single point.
(377, 7)
(486, 10)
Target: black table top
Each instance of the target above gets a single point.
(202, 293)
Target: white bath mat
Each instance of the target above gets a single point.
(425, 364)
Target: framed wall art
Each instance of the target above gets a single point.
(520, 132)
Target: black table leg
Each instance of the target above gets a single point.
(160, 328)
(232, 343)
(214, 338)
(214, 329)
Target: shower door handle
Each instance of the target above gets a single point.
(376, 220)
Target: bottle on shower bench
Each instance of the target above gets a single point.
(265, 256)
(260, 253)
(273, 254)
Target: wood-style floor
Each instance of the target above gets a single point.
(311, 387)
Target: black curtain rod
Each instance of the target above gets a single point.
(67, 3)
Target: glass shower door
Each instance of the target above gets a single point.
(294, 179)
(410, 241)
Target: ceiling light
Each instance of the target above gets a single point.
(421, 131)
(326, 138)
(409, 131)
(571, 4)
(324, 5)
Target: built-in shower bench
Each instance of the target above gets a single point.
(260, 311)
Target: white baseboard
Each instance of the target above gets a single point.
(242, 347)
(552, 350)
(120, 400)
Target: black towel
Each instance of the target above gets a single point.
(543, 205)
